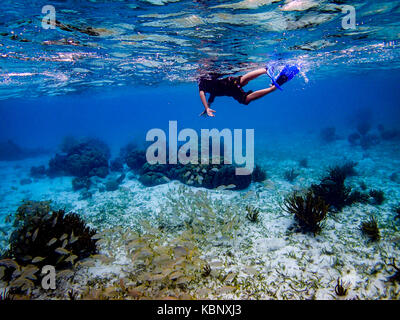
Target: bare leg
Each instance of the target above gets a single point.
(252, 75)
(259, 94)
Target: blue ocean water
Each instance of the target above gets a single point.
(114, 70)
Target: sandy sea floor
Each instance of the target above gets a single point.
(262, 260)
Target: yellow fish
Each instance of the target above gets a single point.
(29, 272)
(71, 258)
(37, 259)
(86, 263)
(51, 242)
(9, 263)
(62, 251)
(54, 222)
(72, 238)
(34, 236)
(96, 236)
(231, 186)
(65, 273)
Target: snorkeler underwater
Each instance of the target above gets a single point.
(199, 150)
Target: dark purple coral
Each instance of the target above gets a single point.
(86, 158)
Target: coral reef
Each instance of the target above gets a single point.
(354, 139)
(112, 185)
(259, 174)
(363, 186)
(347, 168)
(68, 143)
(25, 181)
(84, 158)
(303, 163)
(133, 156)
(357, 196)
(328, 135)
(388, 135)
(211, 176)
(394, 177)
(81, 183)
(135, 159)
(10, 151)
(332, 188)
(151, 179)
(370, 229)
(368, 141)
(38, 172)
(363, 127)
(226, 176)
(117, 164)
(308, 210)
(378, 196)
(290, 175)
(45, 237)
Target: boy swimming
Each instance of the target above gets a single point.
(233, 87)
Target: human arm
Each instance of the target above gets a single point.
(207, 110)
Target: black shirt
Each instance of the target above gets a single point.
(229, 86)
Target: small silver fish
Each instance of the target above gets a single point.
(72, 238)
(64, 236)
(26, 258)
(86, 263)
(62, 251)
(65, 273)
(34, 236)
(52, 241)
(37, 259)
(71, 258)
(9, 263)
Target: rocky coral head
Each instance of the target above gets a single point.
(47, 237)
(378, 196)
(364, 127)
(328, 135)
(85, 158)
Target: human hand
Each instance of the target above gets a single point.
(209, 112)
